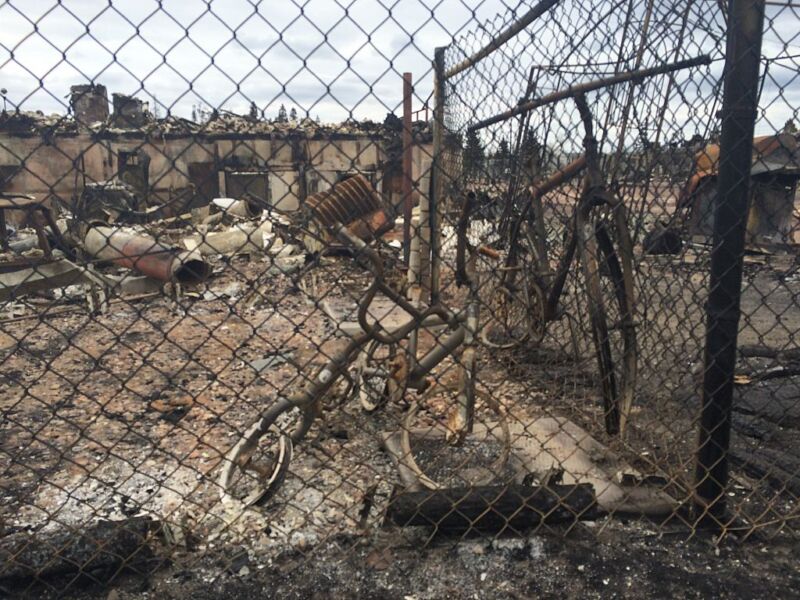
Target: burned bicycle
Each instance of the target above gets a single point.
(379, 372)
(526, 293)
(527, 290)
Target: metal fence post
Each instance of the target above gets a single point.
(437, 173)
(740, 102)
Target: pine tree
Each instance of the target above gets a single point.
(293, 114)
(473, 155)
(253, 111)
(502, 158)
(531, 152)
(282, 118)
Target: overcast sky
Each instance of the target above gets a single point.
(331, 58)
(328, 58)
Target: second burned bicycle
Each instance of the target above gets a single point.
(528, 289)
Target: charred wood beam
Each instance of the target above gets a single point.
(493, 508)
(780, 354)
(777, 468)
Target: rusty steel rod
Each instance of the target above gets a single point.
(408, 202)
(739, 110)
(591, 86)
(437, 173)
(517, 26)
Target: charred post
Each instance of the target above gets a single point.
(740, 103)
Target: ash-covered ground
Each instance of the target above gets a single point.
(603, 559)
(129, 413)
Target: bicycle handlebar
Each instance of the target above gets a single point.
(378, 285)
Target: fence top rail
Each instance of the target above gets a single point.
(590, 86)
(517, 26)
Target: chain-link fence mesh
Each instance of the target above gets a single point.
(232, 326)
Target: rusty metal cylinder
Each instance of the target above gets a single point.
(146, 255)
(347, 201)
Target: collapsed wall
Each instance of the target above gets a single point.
(178, 164)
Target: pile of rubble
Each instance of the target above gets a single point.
(36, 123)
(221, 123)
(105, 247)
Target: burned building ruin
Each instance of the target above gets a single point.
(176, 164)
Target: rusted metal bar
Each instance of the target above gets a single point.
(408, 201)
(591, 86)
(437, 173)
(517, 26)
(146, 255)
(739, 106)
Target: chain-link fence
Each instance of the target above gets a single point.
(478, 301)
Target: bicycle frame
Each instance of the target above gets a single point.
(462, 329)
(582, 234)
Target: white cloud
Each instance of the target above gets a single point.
(328, 57)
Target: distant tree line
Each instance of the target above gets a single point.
(203, 114)
(502, 162)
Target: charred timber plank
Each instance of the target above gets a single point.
(104, 545)
(753, 426)
(788, 354)
(493, 508)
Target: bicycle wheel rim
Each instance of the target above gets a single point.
(263, 490)
(617, 366)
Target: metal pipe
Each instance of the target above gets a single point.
(591, 86)
(740, 103)
(408, 202)
(437, 174)
(517, 26)
(247, 208)
(436, 355)
(146, 255)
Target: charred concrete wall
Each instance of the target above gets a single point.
(89, 103)
(284, 168)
